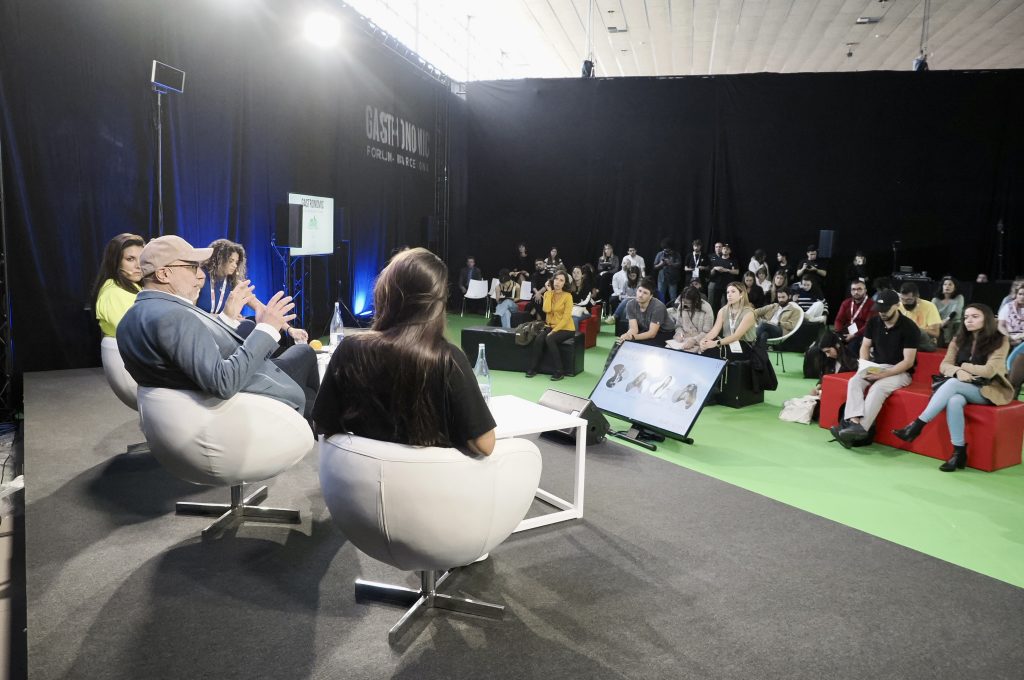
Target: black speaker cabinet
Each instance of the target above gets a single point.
(288, 225)
(597, 424)
(826, 243)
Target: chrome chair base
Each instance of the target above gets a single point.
(420, 600)
(239, 510)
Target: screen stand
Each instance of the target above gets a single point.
(643, 437)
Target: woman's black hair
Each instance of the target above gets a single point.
(110, 265)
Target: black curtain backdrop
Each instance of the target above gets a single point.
(932, 159)
(264, 113)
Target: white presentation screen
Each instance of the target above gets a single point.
(317, 224)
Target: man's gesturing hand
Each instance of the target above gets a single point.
(276, 311)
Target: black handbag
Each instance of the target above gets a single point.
(938, 380)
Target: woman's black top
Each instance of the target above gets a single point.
(342, 406)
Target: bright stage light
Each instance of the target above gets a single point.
(322, 29)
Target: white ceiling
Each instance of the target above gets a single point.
(690, 37)
(490, 39)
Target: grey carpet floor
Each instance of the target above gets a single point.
(670, 574)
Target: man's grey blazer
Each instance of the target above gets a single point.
(168, 342)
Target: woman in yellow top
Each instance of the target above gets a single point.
(117, 282)
(559, 326)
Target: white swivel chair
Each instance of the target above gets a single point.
(492, 296)
(426, 509)
(774, 343)
(224, 442)
(477, 290)
(121, 382)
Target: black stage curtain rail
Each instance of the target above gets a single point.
(264, 113)
(933, 160)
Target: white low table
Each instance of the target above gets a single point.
(514, 417)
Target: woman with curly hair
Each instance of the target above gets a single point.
(224, 269)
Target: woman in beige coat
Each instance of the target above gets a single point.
(975, 366)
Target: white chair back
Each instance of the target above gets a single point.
(120, 381)
(493, 292)
(222, 442)
(477, 289)
(421, 508)
(779, 340)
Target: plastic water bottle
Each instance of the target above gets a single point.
(483, 375)
(337, 328)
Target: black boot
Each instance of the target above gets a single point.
(910, 432)
(957, 461)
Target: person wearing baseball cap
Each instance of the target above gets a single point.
(166, 341)
(887, 356)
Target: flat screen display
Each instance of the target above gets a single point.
(657, 388)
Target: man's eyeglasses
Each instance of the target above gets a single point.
(193, 267)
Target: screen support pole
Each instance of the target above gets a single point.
(643, 437)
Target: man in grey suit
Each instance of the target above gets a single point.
(166, 341)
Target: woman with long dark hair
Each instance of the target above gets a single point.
(402, 381)
(559, 325)
(693, 317)
(975, 368)
(117, 282)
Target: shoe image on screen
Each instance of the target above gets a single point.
(687, 395)
(638, 382)
(620, 372)
(662, 389)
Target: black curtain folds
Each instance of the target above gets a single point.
(933, 160)
(264, 113)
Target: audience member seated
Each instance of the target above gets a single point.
(402, 381)
(693, 319)
(887, 356)
(832, 356)
(669, 267)
(1015, 368)
(1011, 317)
(117, 282)
(757, 264)
(780, 280)
(734, 325)
(783, 264)
(921, 312)
(724, 269)
(584, 293)
(811, 265)
(557, 305)
(950, 305)
(858, 269)
(647, 316)
(1014, 287)
(776, 319)
(761, 278)
(524, 263)
(468, 273)
(618, 281)
(634, 260)
(810, 298)
(975, 371)
(607, 267)
(166, 341)
(506, 294)
(756, 294)
(696, 264)
(537, 281)
(633, 279)
(553, 262)
(852, 317)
